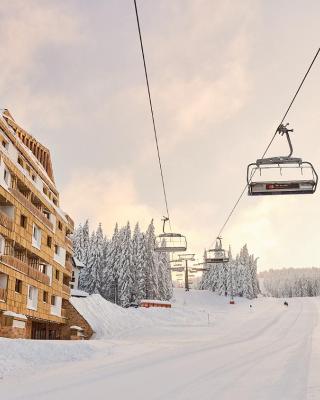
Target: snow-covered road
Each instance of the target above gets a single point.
(267, 352)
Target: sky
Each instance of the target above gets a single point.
(222, 74)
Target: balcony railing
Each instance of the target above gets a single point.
(66, 289)
(39, 276)
(15, 263)
(71, 222)
(69, 266)
(6, 221)
(31, 207)
(3, 294)
(68, 241)
(22, 266)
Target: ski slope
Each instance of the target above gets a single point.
(202, 348)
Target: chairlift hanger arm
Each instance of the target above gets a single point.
(271, 141)
(282, 129)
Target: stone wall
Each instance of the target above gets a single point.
(75, 318)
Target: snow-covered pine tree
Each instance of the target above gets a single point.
(92, 273)
(139, 264)
(244, 258)
(125, 278)
(204, 282)
(253, 273)
(230, 273)
(84, 243)
(109, 287)
(76, 242)
(164, 276)
(151, 279)
(87, 277)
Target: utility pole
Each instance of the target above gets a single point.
(186, 278)
(179, 268)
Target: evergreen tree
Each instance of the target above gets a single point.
(151, 278)
(125, 278)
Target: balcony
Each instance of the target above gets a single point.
(69, 266)
(31, 207)
(15, 263)
(68, 242)
(70, 221)
(24, 267)
(38, 276)
(66, 289)
(6, 221)
(3, 294)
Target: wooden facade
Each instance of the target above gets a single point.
(35, 247)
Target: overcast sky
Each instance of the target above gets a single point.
(222, 74)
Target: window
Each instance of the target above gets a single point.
(36, 237)
(43, 268)
(18, 286)
(57, 274)
(60, 225)
(6, 176)
(60, 255)
(49, 241)
(5, 144)
(55, 202)
(23, 221)
(20, 161)
(32, 300)
(53, 300)
(33, 177)
(2, 244)
(45, 296)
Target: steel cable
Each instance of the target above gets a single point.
(152, 114)
(272, 139)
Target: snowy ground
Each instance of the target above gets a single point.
(202, 348)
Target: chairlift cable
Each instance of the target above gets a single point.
(272, 139)
(152, 114)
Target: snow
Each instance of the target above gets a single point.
(78, 293)
(200, 348)
(14, 315)
(78, 263)
(76, 328)
(155, 301)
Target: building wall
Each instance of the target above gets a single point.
(75, 318)
(29, 194)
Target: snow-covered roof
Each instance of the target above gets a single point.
(14, 315)
(78, 293)
(76, 328)
(155, 301)
(78, 263)
(5, 114)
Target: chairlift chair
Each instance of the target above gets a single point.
(306, 184)
(170, 242)
(216, 255)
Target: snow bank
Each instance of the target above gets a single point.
(188, 309)
(18, 354)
